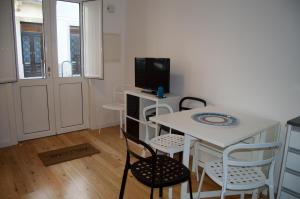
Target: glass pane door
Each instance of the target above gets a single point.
(68, 39)
(30, 38)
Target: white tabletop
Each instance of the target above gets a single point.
(222, 136)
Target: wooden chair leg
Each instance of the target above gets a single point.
(160, 192)
(190, 187)
(123, 182)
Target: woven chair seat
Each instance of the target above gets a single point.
(168, 171)
(237, 176)
(168, 143)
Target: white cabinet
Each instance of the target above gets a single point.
(289, 187)
(135, 102)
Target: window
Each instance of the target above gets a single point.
(32, 49)
(30, 38)
(92, 39)
(68, 39)
(75, 49)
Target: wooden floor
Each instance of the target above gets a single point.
(22, 174)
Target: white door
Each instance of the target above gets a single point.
(70, 88)
(51, 94)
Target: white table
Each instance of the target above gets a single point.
(248, 126)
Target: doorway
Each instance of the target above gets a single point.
(51, 93)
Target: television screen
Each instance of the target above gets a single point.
(150, 73)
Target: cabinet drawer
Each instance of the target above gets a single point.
(285, 195)
(293, 161)
(291, 182)
(295, 140)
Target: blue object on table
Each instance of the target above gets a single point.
(160, 92)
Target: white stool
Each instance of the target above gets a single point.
(116, 107)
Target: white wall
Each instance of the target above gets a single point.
(237, 53)
(101, 91)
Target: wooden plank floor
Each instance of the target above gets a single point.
(99, 176)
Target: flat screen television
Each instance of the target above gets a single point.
(150, 73)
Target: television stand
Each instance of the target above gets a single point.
(135, 102)
(149, 92)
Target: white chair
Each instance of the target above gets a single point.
(167, 143)
(117, 105)
(202, 151)
(243, 175)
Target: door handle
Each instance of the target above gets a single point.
(48, 74)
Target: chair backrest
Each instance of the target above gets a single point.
(130, 152)
(191, 100)
(229, 161)
(159, 107)
(166, 107)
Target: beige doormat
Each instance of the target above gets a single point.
(67, 153)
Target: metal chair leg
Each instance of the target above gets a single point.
(201, 183)
(223, 192)
(151, 195)
(271, 192)
(170, 188)
(160, 192)
(121, 124)
(123, 182)
(255, 194)
(223, 195)
(242, 196)
(159, 132)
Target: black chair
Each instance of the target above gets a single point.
(182, 107)
(155, 171)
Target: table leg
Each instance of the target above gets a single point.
(185, 161)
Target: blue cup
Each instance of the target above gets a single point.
(160, 92)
